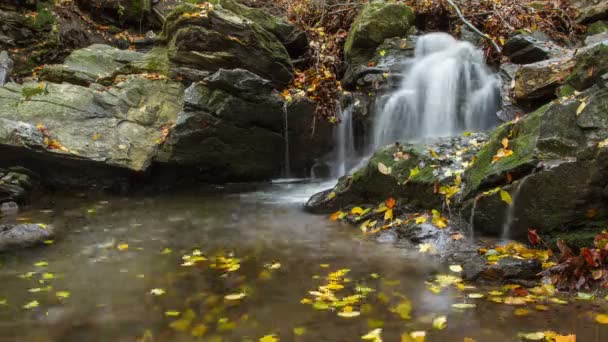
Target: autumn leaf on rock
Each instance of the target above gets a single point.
(390, 203)
(505, 197)
(533, 237)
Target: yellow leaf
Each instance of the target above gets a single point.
(438, 220)
(521, 312)
(122, 247)
(157, 292)
(374, 335)
(41, 264)
(414, 336)
(299, 331)
(356, 211)
(62, 294)
(235, 296)
(414, 172)
(421, 219)
(463, 306)
(348, 314)
(403, 309)
(602, 318)
(382, 53)
(505, 197)
(456, 268)
(426, 248)
(388, 215)
(603, 143)
(565, 338)
(581, 107)
(505, 143)
(440, 322)
(433, 153)
(31, 305)
(199, 330)
(269, 338)
(331, 195)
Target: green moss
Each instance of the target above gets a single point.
(576, 238)
(45, 18)
(597, 27)
(155, 61)
(28, 92)
(589, 64)
(565, 90)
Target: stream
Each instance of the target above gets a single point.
(119, 271)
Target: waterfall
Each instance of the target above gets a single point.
(287, 171)
(6, 65)
(344, 143)
(510, 216)
(446, 89)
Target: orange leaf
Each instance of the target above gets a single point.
(335, 216)
(390, 203)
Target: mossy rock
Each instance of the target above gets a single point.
(591, 63)
(597, 27)
(215, 38)
(377, 21)
(155, 61)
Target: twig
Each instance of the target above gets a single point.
(472, 27)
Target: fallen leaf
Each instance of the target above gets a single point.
(403, 309)
(31, 305)
(299, 331)
(235, 296)
(62, 294)
(157, 292)
(356, 211)
(269, 338)
(384, 169)
(505, 197)
(456, 268)
(388, 215)
(440, 322)
(122, 247)
(349, 314)
(601, 318)
(390, 203)
(581, 107)
(374, 335)
(463, 306)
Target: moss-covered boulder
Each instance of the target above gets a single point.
(557, 167)
(597, 27)
(411, 173)
(58, 130)
(591, 63)
(377, 21)
(590, 11)
(289, 35)
(525, 48)
(94, 64)
(118, 12)
(207, 37)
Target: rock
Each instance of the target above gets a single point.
(94, 64)
(6, 66)
(405, 172)
(309, 139)
(590, 10)
(527, 48)
(214, 38)
(376, 22)
(596, 39)
(509, 269)
(9, 209)
(591, 63)
(467, 35)
(538, 81)
(597, 28)
(509, 110)
(78, 129)
(118, 12)
(230, 129)
(555, 157)
(290, 36)
(15, 185)
(23, 235)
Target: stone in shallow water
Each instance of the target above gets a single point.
(23, 235)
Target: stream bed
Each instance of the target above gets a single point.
(234, 264)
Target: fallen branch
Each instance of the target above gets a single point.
(472, 27)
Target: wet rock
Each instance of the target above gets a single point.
(406, 172)
(94, 64)
(376, 22)
(597, 28)
(508, 269)
(23, 235)
(16, 185)
(217, 38)
(9, 209)
(6, 66)
(527, 48)
(118, 12)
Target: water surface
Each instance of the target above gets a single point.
(113, 251)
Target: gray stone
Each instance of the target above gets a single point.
(23, 235)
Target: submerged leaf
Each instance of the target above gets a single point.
(374, 335)
(440, 322)
(235, 296)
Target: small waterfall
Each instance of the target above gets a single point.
(447, 89)
(510, 217)
(287, 171)
(344, 143)
(6, 66)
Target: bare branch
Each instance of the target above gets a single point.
(472, 27)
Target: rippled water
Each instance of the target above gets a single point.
(110, 288)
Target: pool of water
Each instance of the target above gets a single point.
(233, 264)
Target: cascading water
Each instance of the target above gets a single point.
(6, 65)
(344, 142)
(510, 216)
(287, 171)
(447, 89)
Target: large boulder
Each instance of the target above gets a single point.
(376, 22)
(231, 128)
(6, 67)
(207, 37)
(591, 64)
(528, 48)
(539, 81)
(558, 164)
(16, 185)
(411, 173)
(74, 127)
(94, 64)
(118, 12)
